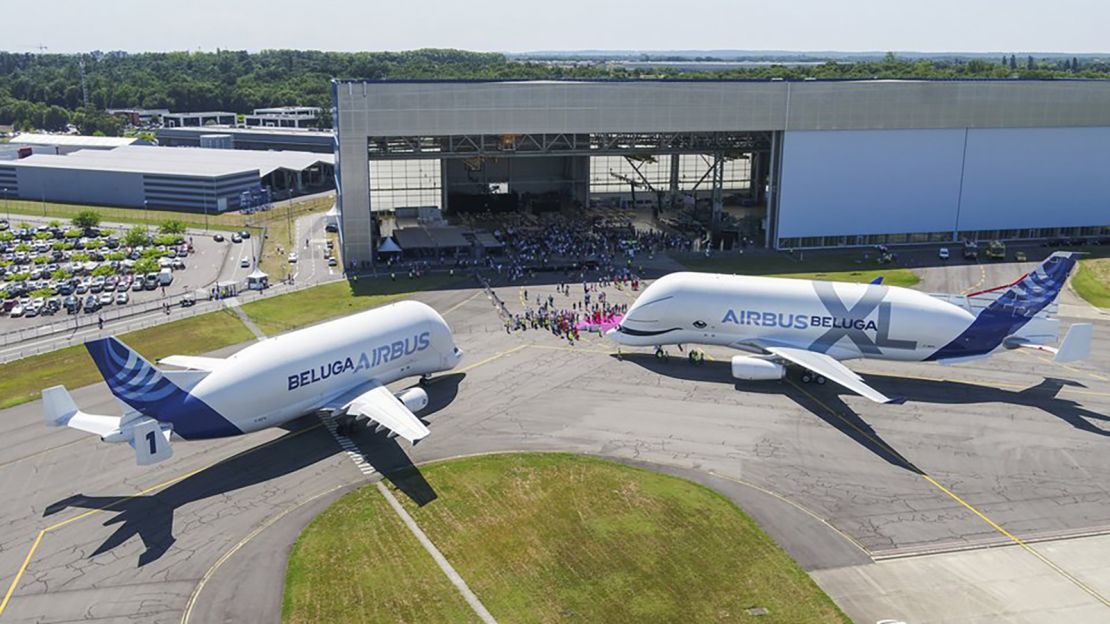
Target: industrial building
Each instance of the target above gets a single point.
(284, 117)
(68, 143)
(296, 139)
(827, 163)
(198, 120)
(201, 180)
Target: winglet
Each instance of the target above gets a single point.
(878, 280)
(1076, 345)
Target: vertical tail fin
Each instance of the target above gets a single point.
(1038, 288)
(135, 381)
(1013, 309)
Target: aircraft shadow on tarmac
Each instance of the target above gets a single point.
(151, 516)
(1043, 396)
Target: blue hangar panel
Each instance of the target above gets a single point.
(846, 182)
(1036, 178)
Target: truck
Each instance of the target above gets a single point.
(971, 250)
(996, 250)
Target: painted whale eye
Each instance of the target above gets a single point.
(699, 324)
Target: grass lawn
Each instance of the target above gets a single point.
(23, 380)
(1092, 281)
(280, 229)
(833, 266)
(276, 315)
(228, 221)
(545, 538)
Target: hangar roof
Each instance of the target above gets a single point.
(183, 161)
(73, 140)
(380, 108)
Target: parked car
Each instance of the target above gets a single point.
(122, 298)
(293, 257)
(150, 281)
(245, 263)
(332, 261)
(16, 311)
(235, 238)
(244, 234)
(91, 304)
(72, 304)
(943, 253)
(1020, 256)
(106, 299)
(137, 285)
(219, 238)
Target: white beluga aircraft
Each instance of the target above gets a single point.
(816, 325)
(340, 366)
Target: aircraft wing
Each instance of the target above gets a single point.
(832, 370)
(379, 405)
(194, 362)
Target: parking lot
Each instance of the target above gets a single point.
(51, 273)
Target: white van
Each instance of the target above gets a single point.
(165, 277)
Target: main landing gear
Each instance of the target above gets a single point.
(660, 354)
(346, 425)
(808, 377)
(696, 357)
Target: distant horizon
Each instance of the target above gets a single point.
(1074, 27)
(602, 52)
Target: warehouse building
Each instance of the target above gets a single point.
(284, 117)
(68, 143)
(827, 163)
(195, 120)
(201, 180)
(296, 139)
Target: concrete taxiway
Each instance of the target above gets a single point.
(982, 498)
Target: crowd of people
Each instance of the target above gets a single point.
(572, 311)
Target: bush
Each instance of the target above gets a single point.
(116, 255)
(74, 233)
(79, 256)
(43, 235)
(173, 226)
(103, 270)
(166, 239)
(87, 219)
(23, 247)
(136, 237)
(57, 245)
(42, 259)
(42, 292)
(146, 265)
(54, 223)
(21, 277)
(60, 274)
(6, 236)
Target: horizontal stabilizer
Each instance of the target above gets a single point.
(60, 410)
(1076, 345)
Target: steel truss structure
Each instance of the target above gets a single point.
(596, 144)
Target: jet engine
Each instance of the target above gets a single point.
(756, 368)
(414, 398)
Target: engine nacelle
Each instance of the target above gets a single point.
(414, 398)
(755, 368)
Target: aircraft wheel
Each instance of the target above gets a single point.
(424, 379)
(820, 380)
(806, 377)
(660, 353)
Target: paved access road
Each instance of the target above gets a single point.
(873, 500)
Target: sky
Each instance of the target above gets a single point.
(1076, 26)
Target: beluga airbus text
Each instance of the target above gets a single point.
(341, 366)
(815, 325)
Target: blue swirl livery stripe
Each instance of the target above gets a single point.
(1013, 309)
(137, 383)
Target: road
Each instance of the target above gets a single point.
(953, 506)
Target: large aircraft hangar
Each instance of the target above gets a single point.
(828, 163)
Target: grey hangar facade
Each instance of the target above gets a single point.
(832, 163)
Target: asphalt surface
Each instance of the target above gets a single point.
(983, 455)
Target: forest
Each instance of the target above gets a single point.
(45, 91)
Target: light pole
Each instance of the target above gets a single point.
(7, 206)
(146, 218)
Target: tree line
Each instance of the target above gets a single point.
(45, 91)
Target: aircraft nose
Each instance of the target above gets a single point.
(613, 334)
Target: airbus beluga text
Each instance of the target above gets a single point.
(341, 366)
(815, 325)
